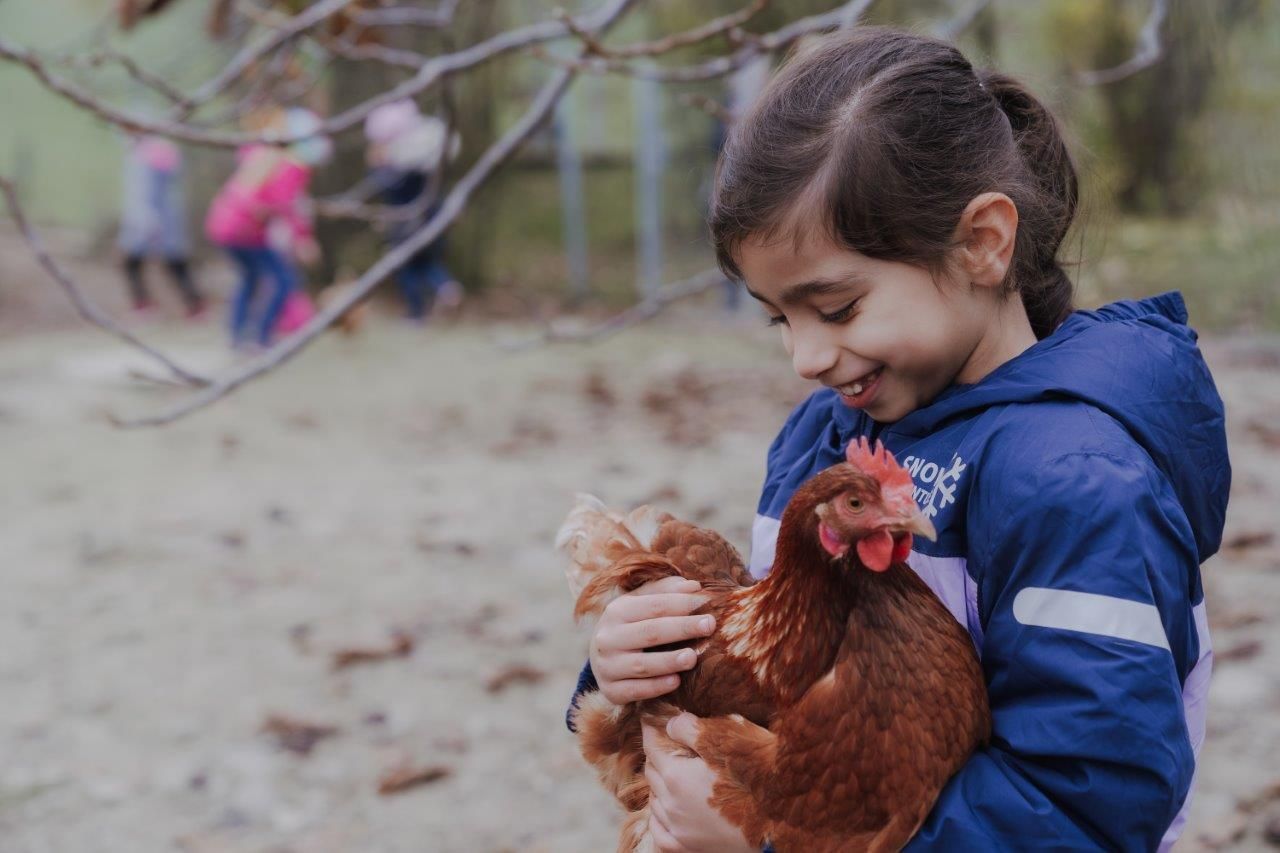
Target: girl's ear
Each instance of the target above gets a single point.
(985, 238)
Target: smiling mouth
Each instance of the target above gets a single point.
(856, 387)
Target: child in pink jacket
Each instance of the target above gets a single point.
(268, 186)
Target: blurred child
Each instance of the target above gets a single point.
(405, 149)
(153, 220)
(268, 188)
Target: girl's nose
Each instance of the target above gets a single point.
(813, 355)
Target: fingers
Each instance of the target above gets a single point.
(683, 729)
(663, 839)
(672, 583)
(633, 636)
(638, 608)
(637, 689)
(625, 665)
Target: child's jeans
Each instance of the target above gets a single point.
(420, 279)
(254, 262)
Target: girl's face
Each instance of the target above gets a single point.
(882, 333)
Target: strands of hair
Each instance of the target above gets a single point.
(880, 139)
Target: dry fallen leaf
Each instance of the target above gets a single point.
(296, 735)
(401, 645)
(405, 777)
(1241, 651)
(514, 674)
(1248, 539)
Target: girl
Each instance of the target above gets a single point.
(153, 220)
(898, 215)
(405, 150)
(268, 186)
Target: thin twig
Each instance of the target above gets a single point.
(493, 157)
(378, 53)
(1148, 51)
(429, 75)
(696, 35)
(86, 308)
(710, 106)
(408, 16)
(135, 71)
(638, 313)
(250, 54)
(721, 65)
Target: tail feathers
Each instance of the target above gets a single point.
(595, 538)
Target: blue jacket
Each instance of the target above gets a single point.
(1076, 490)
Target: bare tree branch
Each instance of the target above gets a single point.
(709, 30)
(146, 78)
(378, 53)
(408, 16)
(636, 314)
(250, 54)
(429, 75)
(773, 42)
(1147, 54)
(710, 106)
(538, 111)
(86, 308)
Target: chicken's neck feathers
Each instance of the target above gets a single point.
(790, 624)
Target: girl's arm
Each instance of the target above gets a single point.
(1085, 596)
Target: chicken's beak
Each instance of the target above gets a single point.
(920, 526)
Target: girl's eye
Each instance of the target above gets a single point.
(855, 504)
(777, 321)
(840, 315)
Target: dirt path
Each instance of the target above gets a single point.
(167, 591)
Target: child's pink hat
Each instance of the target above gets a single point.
(159, 153)
(386, 122)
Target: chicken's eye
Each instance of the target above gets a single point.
(854, 504)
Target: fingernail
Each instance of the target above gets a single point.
(705, 624)
(692, 585)
(686, 657)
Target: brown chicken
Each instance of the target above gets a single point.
(838, 694)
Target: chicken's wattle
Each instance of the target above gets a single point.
(881, 549)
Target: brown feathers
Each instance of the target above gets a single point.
(836, 700)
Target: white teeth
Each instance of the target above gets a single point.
(857, 389)
(851, 390)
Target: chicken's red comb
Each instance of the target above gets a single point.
(877, 462)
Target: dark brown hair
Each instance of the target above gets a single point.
(887, 136)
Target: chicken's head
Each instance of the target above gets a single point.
(869, 504)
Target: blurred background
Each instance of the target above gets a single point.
(324, 613)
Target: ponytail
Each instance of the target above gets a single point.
(1044, 218)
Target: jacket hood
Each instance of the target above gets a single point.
(1138, 362)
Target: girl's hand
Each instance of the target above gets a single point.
(652, 615)
(681, 818)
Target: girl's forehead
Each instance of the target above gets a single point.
(771, 265)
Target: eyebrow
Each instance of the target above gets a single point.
(797, 293)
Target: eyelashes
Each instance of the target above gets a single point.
(841, 315)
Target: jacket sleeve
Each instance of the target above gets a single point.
(1084, 588)
(586, 684)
